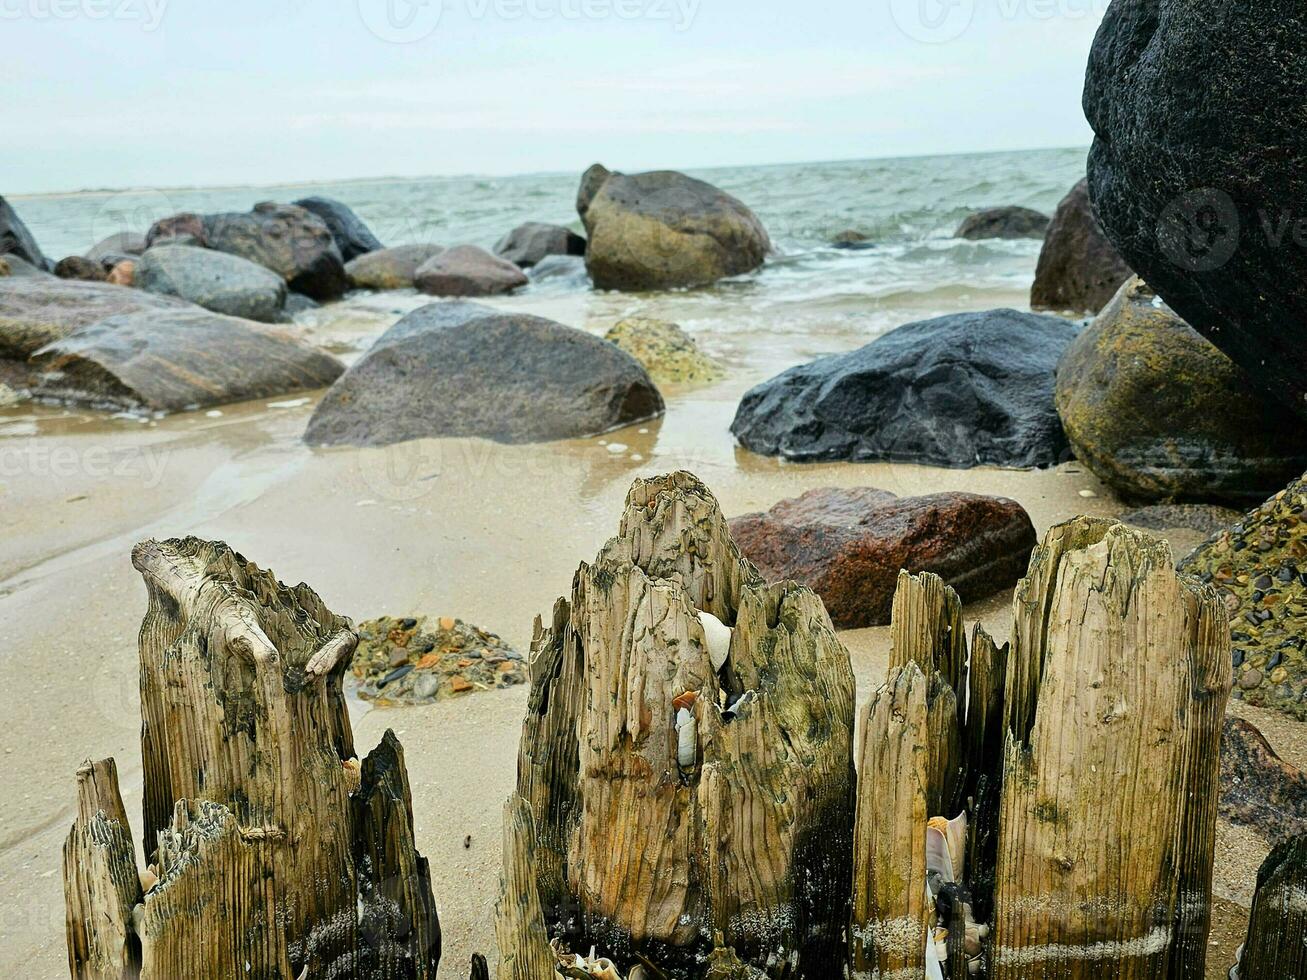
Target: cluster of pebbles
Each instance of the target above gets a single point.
(418, 660)
(1260, 567)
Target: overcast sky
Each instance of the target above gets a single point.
(161, 93)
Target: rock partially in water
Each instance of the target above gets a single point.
(851, 239)
(962, 390)
(559, 268)
(466, 270)
(186, 228)
(1203, 518)
(663, 230)
(1259, 565)
(77, 267)
(351, 235)
(15, 239)
(424, 659)
(667, 352)
(1005, 222)
(463, 369)
(848, 546)
(390, 268)
(527, 244)
(1196, 170)
(38, 309)
(292, 242)
(116, 246)
(1158, 413)
(217, 281)
(1258, 788)
(175, 360)
(1079, 270)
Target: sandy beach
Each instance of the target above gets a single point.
(487, 532)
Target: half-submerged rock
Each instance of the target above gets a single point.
(177, 360)
(390, 268)
(526, 245)
(848, 545)
(351, 235)
(466, 270)
(271, 851)
(962, 390)
(1157, 412)
(463, 369)
(685, 781)
(1079, 271)
(662, 230)
(1089, 807)
(1005, 222)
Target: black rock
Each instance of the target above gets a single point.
(463, 369)
(527, 244)
(1197, 169)
(1079, 270)
(352, 236)
(960, 390)
(15, 239)
(1004, 222)
(292, 242)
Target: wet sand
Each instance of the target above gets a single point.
(485, 532)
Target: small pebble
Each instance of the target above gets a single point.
(1088, 493)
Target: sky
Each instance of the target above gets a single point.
(171, 93)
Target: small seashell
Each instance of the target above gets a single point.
(685, 700)
(687, 739)
(743, 701)
(718, 637)
(138, 918)
(946, 846)
(353, 774)
(149, 878)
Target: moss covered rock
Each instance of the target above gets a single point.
(667, 352)
(1159, 413)
(1260, 566)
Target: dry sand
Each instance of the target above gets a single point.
(489, 533)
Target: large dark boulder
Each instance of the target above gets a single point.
(77, 267)
(1079, 270)
(351, 235)
(1004, 222)
(662, 230)
(214, 280)
(292, 242)
(961, 390)
(186, 228)
(36, 310)
(390, 268)
(527, 244)
(466, 270)
(1158, 413)
(15, 239)
(1197, 169)
(1258, 788)
(176, 361)
(848, 546)
(1259, 565)
(463, 369)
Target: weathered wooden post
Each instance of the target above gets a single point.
(1276, 947)
(685, 781)
(1085, 761)
(272, 852)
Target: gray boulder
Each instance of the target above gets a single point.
(1004, 222)
(176, 361)
(110, 251)
(351, 235)
(38, 309)
(390, 268)
(468, 271)
(463, 369)
(292, 242)
(663, 230)
(962, 390)
(186, 228)
(14, 266)
(15, 239)
(527, 244)
(214, 280)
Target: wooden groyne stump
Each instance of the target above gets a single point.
(1087, 776)
(685, 781)
(272, 852)
(1276, 947)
